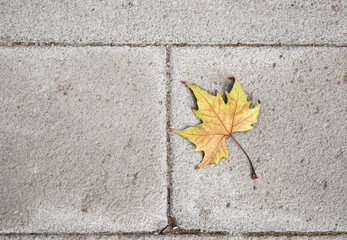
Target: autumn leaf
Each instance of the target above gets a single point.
(219, 120)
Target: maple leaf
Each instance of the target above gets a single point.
(219, 120)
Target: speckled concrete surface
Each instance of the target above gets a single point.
(297, 146)
(83, 139)
(84, 146)
(187, 237)
(149, 21)
(181, 237)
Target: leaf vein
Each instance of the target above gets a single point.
(214, 111)
(244, 119)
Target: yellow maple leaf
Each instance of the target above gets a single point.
(219, 120)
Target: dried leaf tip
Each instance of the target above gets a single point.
(231, 78)
(184, 82)
(171, 130)
(259, 101)
(197, 167)
(254, 176)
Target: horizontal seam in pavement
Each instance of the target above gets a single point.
(101, 44)
(186, 232)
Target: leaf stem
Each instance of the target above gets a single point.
(254, 175)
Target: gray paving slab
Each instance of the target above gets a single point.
(172, 237)
(187, 237)
(63, 237)
(298, 146)
(82, 139)
(148, 21)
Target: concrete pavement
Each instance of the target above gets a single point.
(84, 147)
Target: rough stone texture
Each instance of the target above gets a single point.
(188, 237)
(134, 21)
(82, 139)
(65, 237)
(181, 237)
(297, 147)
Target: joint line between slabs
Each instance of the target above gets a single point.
(168, 147)
(167, 45)
(194, 232)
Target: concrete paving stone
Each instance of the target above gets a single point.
(82, 139)
(298, 146)
(148, 21)
(188, 237)
(179, 237)
(66, 237)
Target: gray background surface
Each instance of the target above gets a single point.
(148, 21)
(297, 145)
(83, 139)
(84, 146)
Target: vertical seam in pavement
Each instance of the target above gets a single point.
(168, 147)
